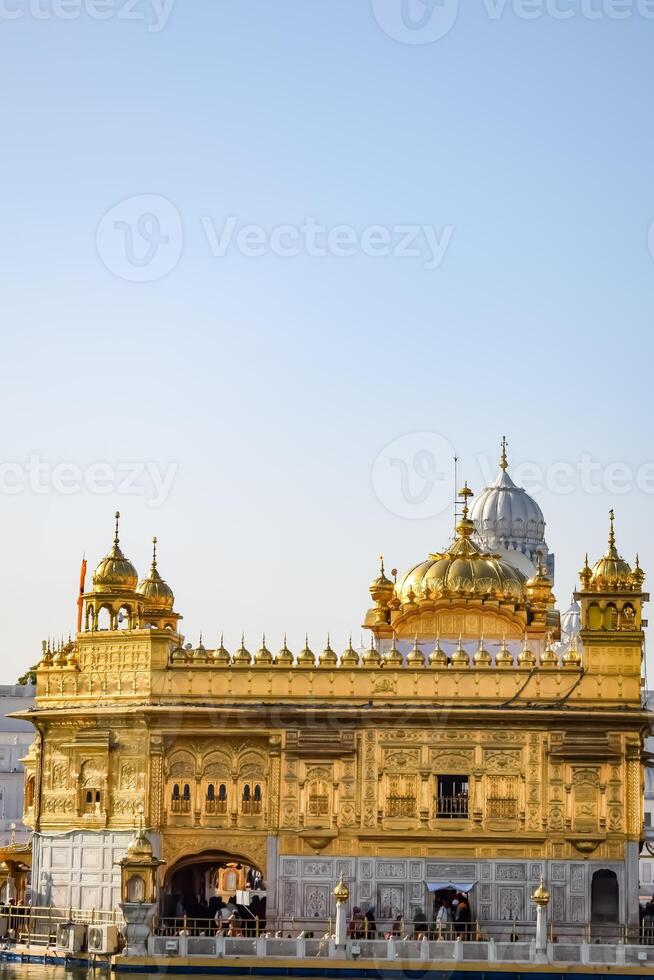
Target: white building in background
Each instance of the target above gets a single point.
(510, 523)
(15, 739)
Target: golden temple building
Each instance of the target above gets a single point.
(467, 745)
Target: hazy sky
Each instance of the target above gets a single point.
(447, 241)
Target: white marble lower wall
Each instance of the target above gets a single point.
(78, 868)
(502, 891)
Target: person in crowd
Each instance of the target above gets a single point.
(370, 924)
(419, 922)
(443, 919)
(396, 928)
(462, 917)
(355, 928)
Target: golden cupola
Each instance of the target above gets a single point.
(463, 570)
(115, 572)
(113, 600)
(611, 572)
(158, 598)
(157, 594)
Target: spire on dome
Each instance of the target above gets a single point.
(504, 463)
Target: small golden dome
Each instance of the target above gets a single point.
(306, 657)
(381, 589)
(416, 657)
(394, 658)
(526, 658)
(438, 657)
(200, 654)
(350, 658)
(221, 655)
(460, 656)
(341, 891)
(263, 656)
(638, 575)
(46, 655)
(504, 656)
(372, 656)
(463, 570)
(140, 847)
(328, 658)
(549, 657)
(115, 572)
(541, 896)
(242, 657)
(611, 571)
(60, 658)
(156, 593)
(179, 655)
(571, 657)
(284, 657)
(4, 868)
(482, 657)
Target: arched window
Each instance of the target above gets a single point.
(221, 805)
(246, 802)
(210, 799)
(175, 800)
(256, 799)
(186, 799)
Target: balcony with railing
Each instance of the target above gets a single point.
(452, 807)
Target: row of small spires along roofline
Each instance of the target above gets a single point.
(374, 657)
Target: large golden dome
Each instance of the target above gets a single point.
(115, 571)
(154, 590)
(463, 570)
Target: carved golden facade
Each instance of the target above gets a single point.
(459, 741)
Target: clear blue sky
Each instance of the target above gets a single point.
(272, 383)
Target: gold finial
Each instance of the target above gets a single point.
(504, 463)
(117, 517)
(612, 529)
(341, 892)
(154, 552)
(466, 493)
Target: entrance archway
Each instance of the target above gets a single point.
(605, 898)
(199, 885)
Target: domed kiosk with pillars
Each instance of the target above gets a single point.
(459, 746)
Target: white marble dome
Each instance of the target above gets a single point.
(571, 621)
(510, 522)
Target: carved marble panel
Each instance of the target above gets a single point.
(390, 901)
(577, 878)
(317, 869)
(415, 869)
(511, 902)
(557, 872)
(510, 872)
(289, 898)
(316, 901)
(365, 868)
(391, 869)
(289, 867)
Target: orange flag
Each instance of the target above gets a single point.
(80, 601)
